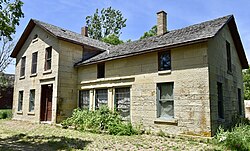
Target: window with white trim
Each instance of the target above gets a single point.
(84, 99)
(101, 97)
(32, 101)
(20, 101)
(122, 102)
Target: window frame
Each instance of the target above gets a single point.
(81, 103)
(97, 102)
(48, 59)
(20, 101)
(100, 70)
(159, 91)
(30, 100)
(22, 69)
(239, 101)
(34, 63)
(116, 101)
(229, 57)
(159, 60)
(220, 100)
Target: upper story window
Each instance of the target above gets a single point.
(164, 61)
(34, 63)
(22, 71)
(229, 62)
(48, 58)
(100, 70)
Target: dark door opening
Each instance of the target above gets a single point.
(46, 102)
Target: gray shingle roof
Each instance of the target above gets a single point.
(72, 36)
(194, 33)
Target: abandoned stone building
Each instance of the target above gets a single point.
(184, 81)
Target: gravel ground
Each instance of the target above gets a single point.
(19, 135)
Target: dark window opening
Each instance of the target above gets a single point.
(22, 71)
(34, 63)
(84, 99)
(32, 101)
(20, 101)
(101, 70)
(229, 63)
(101, 98)
(48, 58)
(239, 102)
(164, 61)
(220, 100)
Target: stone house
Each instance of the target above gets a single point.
(184, 81)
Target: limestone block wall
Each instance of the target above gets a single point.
(34, 81)
(191, 88)
(231, 82)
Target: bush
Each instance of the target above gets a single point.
(5, 114)
(237, 139)
(99, 121)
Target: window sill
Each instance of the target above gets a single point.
(19, 112)
(166, 121)
(33, 75)
(47, 71)
(31, 113)
(221, 120)
(164, 72)
(22, 77)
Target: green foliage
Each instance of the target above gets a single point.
(99, 121)
(108, 22)
(4, 114)
(150, 33)
(10, 14)
(236, 139)
(112, 39)
(246, 83)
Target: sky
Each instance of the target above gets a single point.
(140, 15)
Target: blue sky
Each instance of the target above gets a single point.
(140, 14)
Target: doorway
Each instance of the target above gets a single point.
(46, 102)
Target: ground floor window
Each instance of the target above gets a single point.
(165, 100)
(20, 101)
(239, 102)
(122, 102)
(32, 101)
(84, 99)
(220, 100)
(101, 97)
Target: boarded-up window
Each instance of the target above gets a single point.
(220, 100)
(165, 100)
(164, 61)
(122, 102)
(32, 101)
(34, 63)
(23, 62)
(84, 99)
(101, 97)
(229, 63)
(239, 102)
(48, 58)
(20, 101)
(100, 70)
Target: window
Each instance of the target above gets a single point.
(20, 101)
(100, 70)
(48, 58)
(122, 102)
(22, 71)
(229, 63)
(101, 98)
(84, 99)
(239, 102)
(34, 63)
(165, 100)
(32, 101)
(220, 100)
(164, 61)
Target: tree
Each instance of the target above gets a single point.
(109, 22)
(5, 51)
(112, 39)
(10, 14)
(150, 33)
(246, 83)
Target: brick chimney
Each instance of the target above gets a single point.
(84, 31)
(161, 23)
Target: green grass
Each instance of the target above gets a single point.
(5, 113)
(19, 135)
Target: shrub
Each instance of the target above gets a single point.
(237, 139)
(99, 121)
(5, 114)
